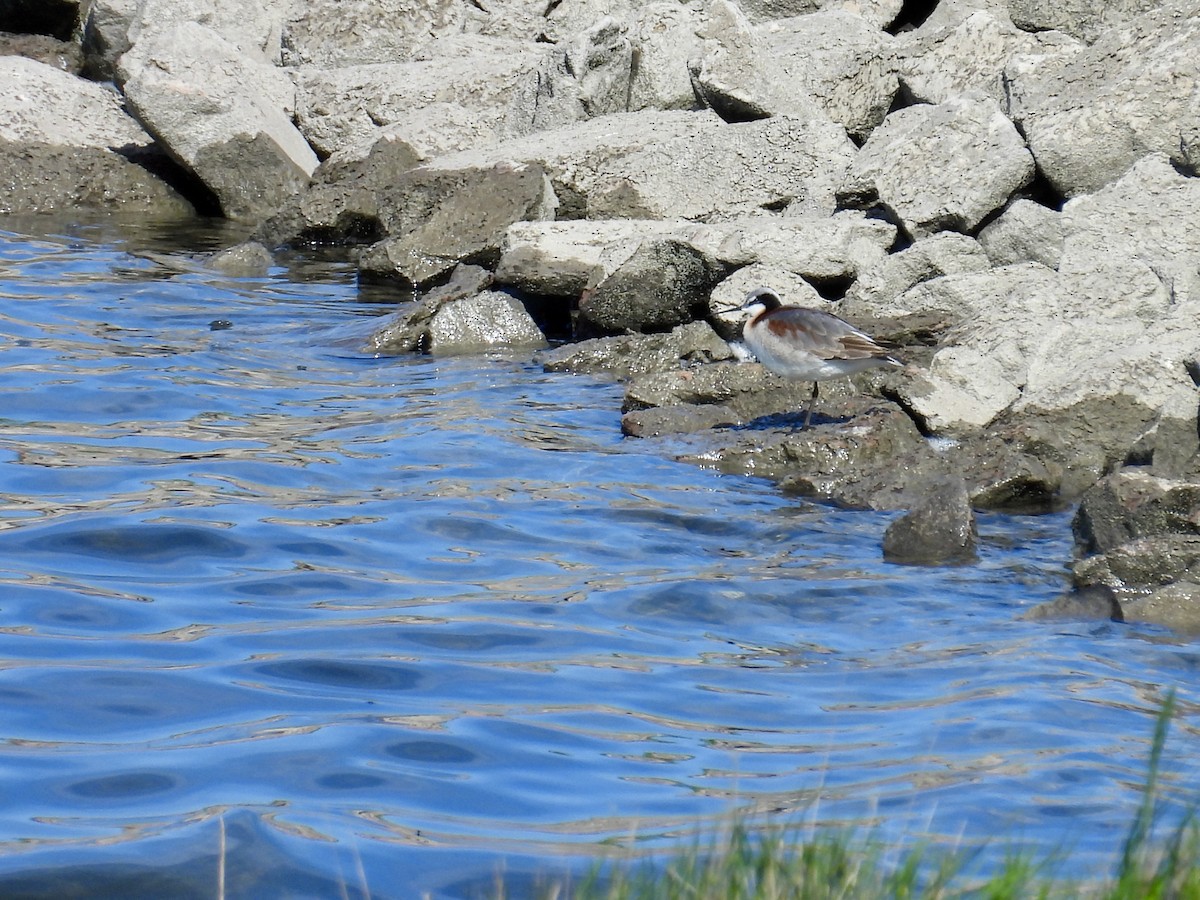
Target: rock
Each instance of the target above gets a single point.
(1132, 503)
(1141, 566)
(490, 319)
(222, 115)
(631, 355)
(249, 259)
(1176, 606)
(333, 33)
(601, 59)
(660, 284)
(825, 64)
(681, 419)
(1025, 232)
(558, 258)
(1091, 115)
(66, 143)
(939, 530)
(467, 226)
(62, 55)
(408, 329)
(968, 57)
(943, 167)
(254, 29)
(664, 41)
(512, 88)
(878, 284)
(105, 36)
(729, 172)
(1086, 604)
(341, 202)
(1086, 21)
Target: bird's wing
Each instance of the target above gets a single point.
(822, 334)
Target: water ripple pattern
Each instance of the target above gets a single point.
(349, 624)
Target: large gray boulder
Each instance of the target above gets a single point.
(1024, 232)
(829, 63)
(665, 39)
(66, 142)
(937, 64)
(938, 530)
(1087, 20)
(1090, 115)
(943, 167)
(514, 88)
(254, 28)
(484, 321)
(222, 115)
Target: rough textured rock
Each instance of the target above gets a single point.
(1090, 603)
(66, 143)
(512, 88)
(468, 226)
(490, 319)
(246, 260)
(1132, 504)
(1141, 566)
(664, 41)
(1085, 20)
(828, 63)
(105, 36)
(938, 64)
(632, 355)
(661, 283)
(254, 28)
(601, 59)
(408, 329)
(945, 253)
(942, 167)
(940, 529)
(221, 115)
(1025, 232)
(332, 33)
(1176, 606)
(1091, 115)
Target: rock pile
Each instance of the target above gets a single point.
(1005, 189)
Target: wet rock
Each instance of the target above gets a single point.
(1025, 232)
(511, 88)
(1090, 115)
(749, 390)
(829, 63)
(244, 147)
(333, 33)
(1133, 503)
(1085, 604)
(942, 167)
(408, 329)
(467, 225)
(1140, 566)
(939, 530)
(660, 284)
(969, 56)
(66, 143)
(489, 319)
(246, 260)
(681, 419)
(1176, 606)
(628, 356)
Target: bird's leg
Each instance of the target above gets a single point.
(811, 401)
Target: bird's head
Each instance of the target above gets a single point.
(760, 300)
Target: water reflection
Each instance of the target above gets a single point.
(388, 622)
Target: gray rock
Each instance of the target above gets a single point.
(601, 59)
(332, 33)
(728, 172)
(939, 530)
(249, 259)
(1141, 566)
(730, 75)
(969, 56)
(1086, 604)
(468, 225)
(660, 284)
(408, 329)
(942, 167)
(1132, 503)
(1176, 606)
(253, 28)
(513, 89)
(682, 419)
(490, 319)
(222, 115)
(1025, 232)
(878, 284)
(105, 36)
(632, 355)
(665, 40)
(1085, 19)
(1091, 115)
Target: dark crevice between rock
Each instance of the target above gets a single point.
(913, 14)
(889, 393)
(165, 169)
(56, 18)
(832, 289)
(1042, 192)
(1183, 169)
(350, 229)
(552, 314)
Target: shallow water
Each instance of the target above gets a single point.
(396, 625)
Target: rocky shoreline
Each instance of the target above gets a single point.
(1004, 190)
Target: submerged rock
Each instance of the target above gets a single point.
(939, 530)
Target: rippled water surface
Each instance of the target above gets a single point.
(397, 625)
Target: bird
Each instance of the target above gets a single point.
(807, 344)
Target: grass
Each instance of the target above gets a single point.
(773, 863)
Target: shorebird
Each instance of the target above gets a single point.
(807, 344)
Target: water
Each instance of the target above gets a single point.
(397, 625)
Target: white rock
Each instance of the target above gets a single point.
(1025, 232)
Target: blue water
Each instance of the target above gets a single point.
(347, 625)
